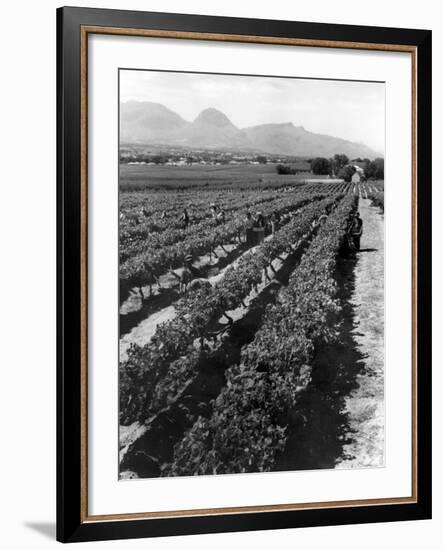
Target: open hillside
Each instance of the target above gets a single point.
(153, 123)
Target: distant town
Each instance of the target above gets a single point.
(340, 166)
(182, 157)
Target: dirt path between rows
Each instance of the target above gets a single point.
(145, 330)
(245, 321)
(365, 404)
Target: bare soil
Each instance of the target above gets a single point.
(340, 416)
(144, 330)
(365, 405)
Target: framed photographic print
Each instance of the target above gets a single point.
(244, 274)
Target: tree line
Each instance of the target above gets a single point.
(341, 167)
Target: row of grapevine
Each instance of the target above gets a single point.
(143, 240)
(248, 426)
(378, 199)
(133, 227)
(142, 375)
(155, 203)
(139, 270)
(131, 234)
(378, 185)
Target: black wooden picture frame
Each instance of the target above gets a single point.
(73, 523)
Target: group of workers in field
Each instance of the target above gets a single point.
(256, 224)
(257, 221)
(218, 215)
(253, 221)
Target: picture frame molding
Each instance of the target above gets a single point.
(74, 25)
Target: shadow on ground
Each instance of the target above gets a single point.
(44, 528)
(155, 447)
(166, 296)
(320, 428)
(154, 303)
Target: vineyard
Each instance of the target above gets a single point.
(236, 341)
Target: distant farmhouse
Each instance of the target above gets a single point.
(359, 173)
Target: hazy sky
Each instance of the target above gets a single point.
(349, 110)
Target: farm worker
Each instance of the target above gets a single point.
(185, 218)
(357, 230)
(144, 212)
(187, 264)
(222, 216)
(259, 228)
(249, 224)
(259, 220)
(273, 222)
(349, 222)
(323, 217)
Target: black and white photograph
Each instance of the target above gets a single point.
(251, 267)
(215, 330)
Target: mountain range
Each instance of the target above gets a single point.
(153, 123)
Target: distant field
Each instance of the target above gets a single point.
(138, 177)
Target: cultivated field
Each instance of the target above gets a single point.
(142, 176)
(239, 347)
